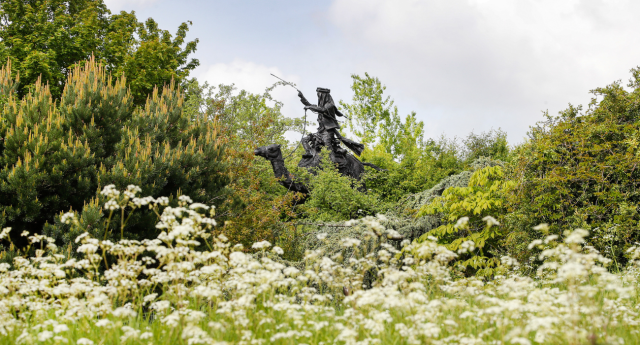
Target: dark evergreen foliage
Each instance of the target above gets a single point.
(56, 156)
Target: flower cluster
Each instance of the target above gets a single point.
(192, 286)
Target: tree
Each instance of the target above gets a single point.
(248, 121)
(581, 170)
(413, 164)
(375, 120)
(46, 39)
(492, 144)
(55, 157)
(464, 212)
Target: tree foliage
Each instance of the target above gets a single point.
(413, 164)
(247, 121)
(376, 122)
(55, 156)
(492, 144)
(46, 39)
(581, 170)
(334, 197)
(464, 212)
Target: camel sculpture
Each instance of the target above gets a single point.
(348, 164)
(328, 136)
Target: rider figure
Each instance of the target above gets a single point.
(327, 111)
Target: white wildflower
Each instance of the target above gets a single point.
(44, 336)
(60, 328)
(104, 323)
(550, 238)
(184, 200)
(111, 205)
(534, 243)
(5, 233)
(490, 221)
(124, 312)
(462, 223)
(544, 227)
(577, 236)
(110, 191)
(197, 205)
(68, 218)
(261, 245)
(350, 242)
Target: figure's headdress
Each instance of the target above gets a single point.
(322, 89)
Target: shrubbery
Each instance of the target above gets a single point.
(581, 170)
(467, 214)
(55, 156)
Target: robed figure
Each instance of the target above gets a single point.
(329, 129)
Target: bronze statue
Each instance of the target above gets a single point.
(328, 136)
(329, 127)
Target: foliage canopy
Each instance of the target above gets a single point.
(46, 39)
(580, 170)
(55, 156)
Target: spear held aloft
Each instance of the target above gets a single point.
(286, 82)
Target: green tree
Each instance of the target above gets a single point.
(412, 163)
(248, 121)
(464, 212)
(580, 170)
(55, 157)
(45, 39)
(492, 144)
(375, 120)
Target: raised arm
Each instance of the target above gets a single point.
(303, 99)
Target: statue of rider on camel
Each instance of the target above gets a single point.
(328, 134)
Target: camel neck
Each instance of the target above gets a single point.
(279, 168)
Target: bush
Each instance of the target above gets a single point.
(464, 211)
(580, 170)
(416, 172)
(334, 197)
(54, 157)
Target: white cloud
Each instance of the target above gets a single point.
(255, 78)
(481, 64)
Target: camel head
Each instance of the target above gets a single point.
(270, 152)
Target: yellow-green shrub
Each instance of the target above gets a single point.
(464, 212)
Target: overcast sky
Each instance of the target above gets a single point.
(461, 65)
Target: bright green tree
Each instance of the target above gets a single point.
(376, 122)
(581, 170)
(55, 157)
(464, 212)
(492, 144)
(46, 38)
(412, 163)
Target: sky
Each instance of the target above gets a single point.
(461, 65)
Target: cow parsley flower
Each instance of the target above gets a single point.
(261, 245)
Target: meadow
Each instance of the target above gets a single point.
(191, 285)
